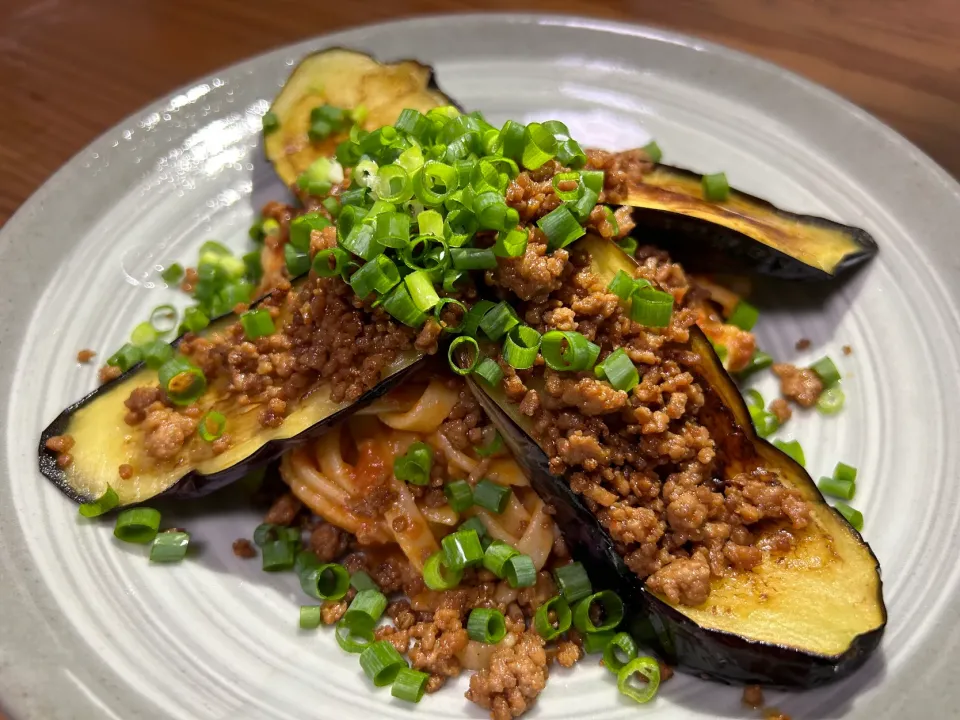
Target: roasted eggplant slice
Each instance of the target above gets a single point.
(347, 80)
(742, 233)
(799, 619)
(103, 441)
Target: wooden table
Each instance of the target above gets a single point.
(70, 69)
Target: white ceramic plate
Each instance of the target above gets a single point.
(88, 629)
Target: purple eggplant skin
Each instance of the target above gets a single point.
(708, 653)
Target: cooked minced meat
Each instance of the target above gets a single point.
(644, 461)
(802, 385)
(516, 676)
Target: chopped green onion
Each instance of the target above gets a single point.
(831, 400)
(471, 323)
(278, 555)
(490, 371)
(649, 669)
(394, 184)
(845, 473)
(414, 123)
(455, 357)
(323, 582)
(182, 381)
(434, 183)
(421, 290)
(622, 285)
(496, 556)
(254, 266)
(629, 245)
(715, 187)
(582, 208)
(170, 546)
(520, 571)
(362, 242)
(270, 122)
(194, 319)
(410, 684)
(437, 576)
(511, 243)
(618, 370)
(494, 447)
(103, 504)
(486, 626)
(473, 258)
(844, 489)
(539, 146)
(172, 273)
(652, 151)
(825, 368)
(292, 535)
(744, 316)
(365, 609)
(303, 226)
(382, 663)
(619, 651)
(137, 525)
(560, 227)
(305, 560)
(332, 206)
(571, 154)
(567, 195)
(430, 222)
(511, 139)
(492, 212)
(462, 549)
(568, 351)
(309, 617)
(490, 496)
(521, 347)
(126, 357)
(754, 398)
(459, 495)
(573, 582)
(379, 275)
(212, 425)
(758, 361)
(156, 354)
(612, 607)
(265, 533)
(597, 642)
(852, 516)
(353, 639)
(499, 320)
(163, 319)
(329, 262)
(414, 466)
(611, 221)
(544, 626)
(651, 308)
(400, 305)
(793, 449)
(257, 324)
(361, 580)
(297, 262)
(475, 524)
(438, 312)
(764, 422)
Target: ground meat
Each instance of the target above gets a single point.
(243, 548)
(753, 696)
(587, 394)
(125, 471)
(328, 542)
(64, 460)
(685, 581)
(781, 410)
(803, 344)
(515, 677)
(666, 672)
(773, 714)
(166, 431)
(85, 356)
(284, 510)
(60, 443)
(847, 350)
(533, 274)
(802, 385)
(568, 653)
(437, 644)
(108, 372)
(332, 611)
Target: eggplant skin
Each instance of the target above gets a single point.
(743, 234)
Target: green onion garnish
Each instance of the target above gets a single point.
(212, 425)
(170, 546)
(297, 262)
(652, 151)
(791, 448)
(182, 381)
(547, 629)
(194, 319)
(137, 525)
(365, 610)
(622, 285)
(490, 496)
(361, 580)
(825, 368)
(764, 422)
(651, 308)
(421, 290)
(567, 177)
(309, 617)
(163, 319)
(629, 245)
(278, 555)
(568, 351)
(400, 305)
(471, 323)
(126, 357)
(382, 663)
(469, 354)
(511, 139)
(301, 228)
(257, 324)
(520, 571)
(493, 447)
(172, 274)
(323, 582)
(844, 489)
(844, 472)
(414, 466)
(469, 258)
(459, 495)
(649, 669)
(379, 275)
(744, 316)
(597, 642)
(521, 347)
(305, 559)
(353, 639)
(753, 398)
(486, 626)
(499, 320)
(573, 582)
(496, 556)
(612, 607)
(475, 524)
(539, 146)
(409, 684)
(619, 651)
(105, 503)
(715, 187)
(254, 266)
(831, 400)
(437, 576)
(270, 122)
(330, 262)
(758, 361)
(618, 370)
(265, 533)
(511, 243)
(490, 371)
(462, 550)
(560, 227)
(852, 516)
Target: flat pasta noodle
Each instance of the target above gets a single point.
(428, 413)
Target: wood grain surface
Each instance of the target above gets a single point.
(70, 69)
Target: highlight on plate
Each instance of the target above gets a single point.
(497, 425)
